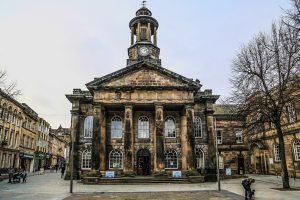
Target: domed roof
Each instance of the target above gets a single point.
(143, 11)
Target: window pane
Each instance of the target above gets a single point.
(171, 159)
(198, 127)
(199, 159)
(115, 159)
(170, 127)
(143, 127)
(88, 126)
(116, 127)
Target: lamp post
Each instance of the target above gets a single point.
(71, 164)
(217, 154)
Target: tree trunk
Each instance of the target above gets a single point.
(285, 175)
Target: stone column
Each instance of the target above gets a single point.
(96, 137)
(132, 35)
(149, 33)
(211, 141)
(75, 138)
(102, 121)
(138, 38)
(159, 138)
(188, 138)
(155, 36)
(128, 139)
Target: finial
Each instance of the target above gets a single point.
(144, 4)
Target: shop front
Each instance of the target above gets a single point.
(40, 160)
(27, 161)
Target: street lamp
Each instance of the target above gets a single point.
(71, 163)
(217, 154)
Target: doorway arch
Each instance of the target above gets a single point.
(143, 162)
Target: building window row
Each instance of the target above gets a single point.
(116, 159)
(143, 127)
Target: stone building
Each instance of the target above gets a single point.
(28, 138)
(64, 135)
(11, 117)
(41, 150)
(264, 144)
(232, 140)
(56, 150)
(23, 136)
(143, 118)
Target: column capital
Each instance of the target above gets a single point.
(159, 105)
(128, 105)
(189, 106)
(75, 111)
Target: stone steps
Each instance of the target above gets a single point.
(140, 180)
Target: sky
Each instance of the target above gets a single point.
(52, 46)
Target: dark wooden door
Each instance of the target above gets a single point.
(258, 166)
(143, 162)
(143, 165)
(241, 166)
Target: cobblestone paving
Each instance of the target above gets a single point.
(207, 195)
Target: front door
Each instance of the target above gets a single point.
(143, 162)
(241, 167)
(258, 166)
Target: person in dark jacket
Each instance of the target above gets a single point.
(10, 175)
(247, 186)
(63, 168)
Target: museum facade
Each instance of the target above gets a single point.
(144, 118)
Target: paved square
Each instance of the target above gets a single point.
(193, 195)
(51, 187)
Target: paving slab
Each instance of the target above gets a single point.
(194, 195)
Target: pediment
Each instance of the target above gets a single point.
(142, 75)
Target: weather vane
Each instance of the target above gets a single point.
(144, 3)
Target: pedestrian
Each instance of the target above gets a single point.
(56, 168)
(24, 176)
(63, 168)
(247, 186)
(10, 175)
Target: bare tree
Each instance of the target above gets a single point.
(292, 16)
(265, 73)
(10, 89)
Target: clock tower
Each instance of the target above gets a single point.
(143, 38)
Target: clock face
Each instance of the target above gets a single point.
(144, 51)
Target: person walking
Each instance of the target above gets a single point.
(247, 186)
(63, 168)
(10, 175)
(56, 168)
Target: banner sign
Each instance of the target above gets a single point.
(176, 174)
(228, 171)
(109, 174)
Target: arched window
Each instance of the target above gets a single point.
(170, 127)
(115, 159)
(86, 159)
(199, 158)
(297, 150)
(3, 113)
(239, 137)
(14, 117)
(88, 127)
(276, 153)
(198, 127)
(9, 113)
(116, 127)
(143, 127)
(291, 111)
(171, 159)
